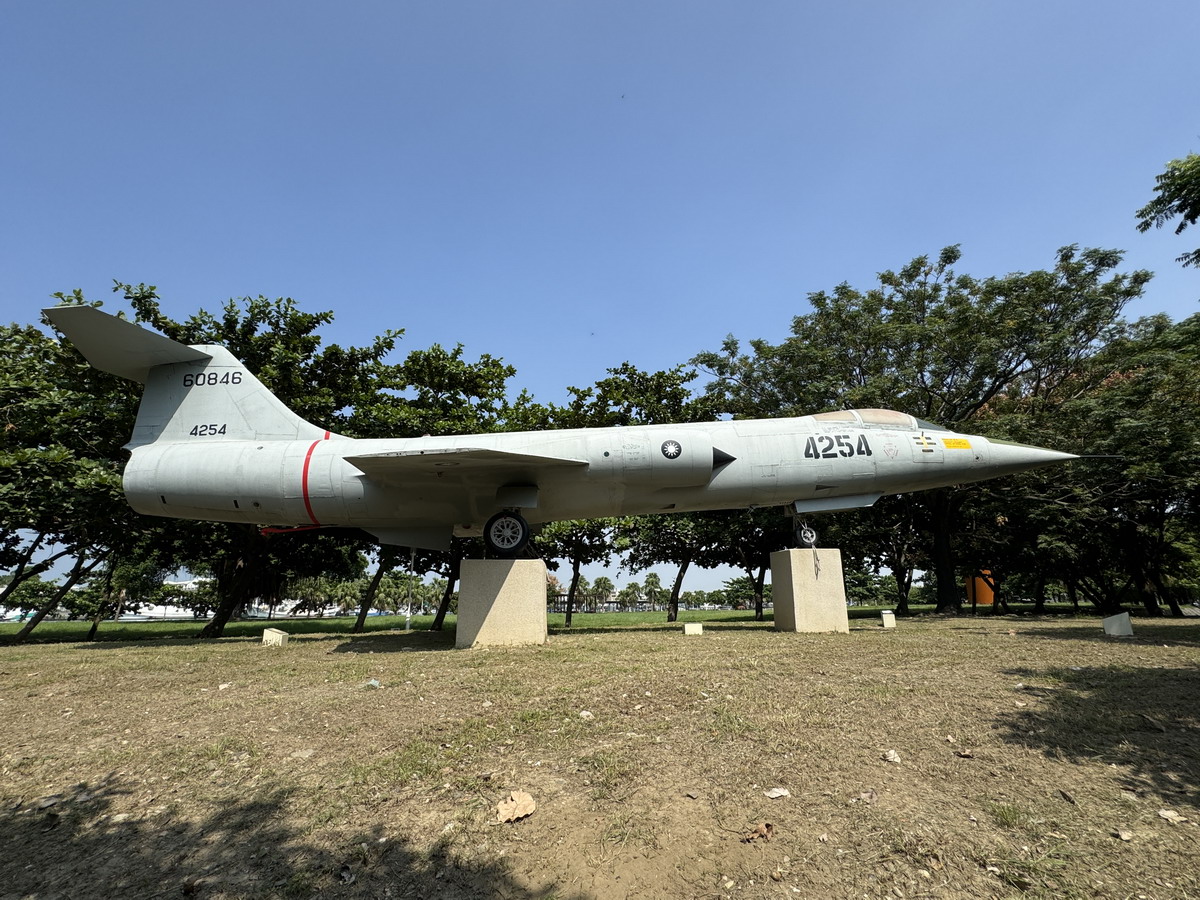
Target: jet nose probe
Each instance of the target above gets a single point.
(1009, 457)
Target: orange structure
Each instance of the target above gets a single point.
(979, 591)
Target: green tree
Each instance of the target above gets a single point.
(602, 591)
(1122, 527)
(626, 396)
(281, 344)
(630, 596)
(630, 396)
(1177, 192)
(448, 564)
(942, 346)
(580, 543)
(388, 589)
(744, 592)
(125, 583)
(887, 536)
(62, 426)
(746, 539)
(679, 539)
(385, 562)
(1128, 526)
(432, 392)
(652, 590)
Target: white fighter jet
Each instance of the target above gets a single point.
(212, 443)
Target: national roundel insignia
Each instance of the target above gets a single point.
(671, 449)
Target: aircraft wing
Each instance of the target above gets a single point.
(404, 466)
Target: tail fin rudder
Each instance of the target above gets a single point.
(192, 393)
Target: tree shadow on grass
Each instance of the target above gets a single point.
(101, 841)
(395, 642)
(251, 630)
(1156, 632)
(377, 642)
(1144, 720)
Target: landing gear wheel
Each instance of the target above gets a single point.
(806, 535)
(506, 534)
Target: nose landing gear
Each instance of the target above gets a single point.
(806, 535)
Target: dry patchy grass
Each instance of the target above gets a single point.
(1035, 757)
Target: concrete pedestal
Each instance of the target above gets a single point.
(808, 592)
(501, 603)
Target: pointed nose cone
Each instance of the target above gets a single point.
(1005, 457)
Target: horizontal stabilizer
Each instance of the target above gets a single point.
(116, 345)
(403, 465)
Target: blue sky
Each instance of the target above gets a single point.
(570, 185)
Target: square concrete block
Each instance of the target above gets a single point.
(1118, 626)
(808, 591)
(693, 628)
(501, 603)
(274, 637)
(889, 618)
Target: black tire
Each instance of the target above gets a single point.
(506, 534)
(806, 536)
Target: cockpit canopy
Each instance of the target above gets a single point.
(883, 418)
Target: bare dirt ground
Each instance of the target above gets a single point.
(990, 757)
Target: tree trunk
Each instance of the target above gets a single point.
(999, 604)
(1165, 594)
(759, 581)
(1102, 596)
(673, 604)
(896, 559)
(387, 560)
(120, 605)
(439, 621)
(1145, 585)
(102, 612)
(104, 606)
(571, 590)
(234, 584)
(944, 571)
(903, 590)
(23, 571)
(81, 568)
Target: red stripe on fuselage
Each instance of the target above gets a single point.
(304, 479)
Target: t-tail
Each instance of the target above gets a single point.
(191, 392)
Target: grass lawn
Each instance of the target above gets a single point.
(967, 757)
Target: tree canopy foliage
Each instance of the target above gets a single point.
(62, 425)
(1042, 357)
(1177, 192)
(990, 355)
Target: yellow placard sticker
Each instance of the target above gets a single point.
(956, 443)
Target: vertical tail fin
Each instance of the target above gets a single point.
(193, 393)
